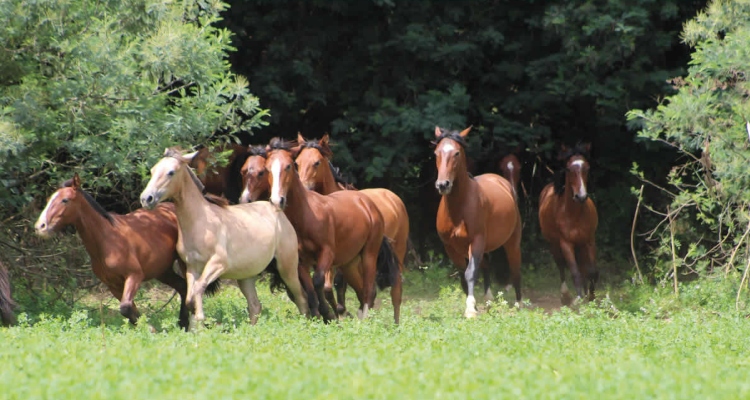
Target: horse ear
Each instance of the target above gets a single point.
(295, 151)
(324, 140)
(189, 157)
(76, 181)
(465, 132)
(438, 131)
(300, 138)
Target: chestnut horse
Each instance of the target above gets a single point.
(6, 301)
(510, 168)
(254, 181)
(221, 241)
(476, 215)
(568, 220)
(125, 250)
(317, 173)
(342, 230)
(220, 180)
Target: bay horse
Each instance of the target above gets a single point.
(7, 318)
(217, 240)
(476, 215)
(318, 173)
(125, 250)
(220, 180)
(568, 219)
(342, 230)
(254, 181)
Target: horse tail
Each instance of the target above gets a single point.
(6, 302)
(387, 269)
(213, 288)
(276, 282)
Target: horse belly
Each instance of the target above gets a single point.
(502, 216)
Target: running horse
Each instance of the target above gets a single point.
(568, 219)
(220, 180)
(476, 215)
(318, 173)
(217, 240)
(343, 230)
(125, 250)
(254, 182)
(6, 301)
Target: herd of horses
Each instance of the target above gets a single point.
(291, 215)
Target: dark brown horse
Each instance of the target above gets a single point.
(221, 180)
(476, 215)
(318, 173)
(342, 230)
(125, 250)
(7, 318)
(568, 220)
(254, 181)
(510, 168)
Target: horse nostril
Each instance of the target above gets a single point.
(42, 225)
(149, 199)
(282, 202)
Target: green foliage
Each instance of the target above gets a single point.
(103, 87)
(706, 122)
(602, 350)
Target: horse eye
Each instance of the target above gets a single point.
(317, 164)
(457, 153)
(261, 173)
(289, 166)
(65, 200)
(170, 173)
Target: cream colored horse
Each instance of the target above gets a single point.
(221, 241)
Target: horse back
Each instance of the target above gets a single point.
(501, 215)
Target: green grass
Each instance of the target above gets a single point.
(644, 345)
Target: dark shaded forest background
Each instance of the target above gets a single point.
(379, 75)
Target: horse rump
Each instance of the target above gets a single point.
(387, 269)
(7, 318)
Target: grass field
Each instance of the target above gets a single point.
(637, 343)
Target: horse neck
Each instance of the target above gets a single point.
(298, 205)
(463, 187)
(95, 230)
(329, 185)
(190, 206)
(570, 205)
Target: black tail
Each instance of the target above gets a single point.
(6, 302)
(276, 282)
(213, 288)
(387, 265)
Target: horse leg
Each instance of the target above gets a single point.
(569, 253)
(172, 279)
(340, 284)
(487, 279)
(369, 264)
(588, 259)
(127, 306)
(288, 265)
(459, 261)
(325, 258)
(303, 271)
(561, 265)
(214, 268)
(513, 254)
(247, 286)
(328, 289)
(476, 252)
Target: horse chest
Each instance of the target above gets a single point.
(450, 231)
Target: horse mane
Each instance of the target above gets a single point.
(214, 199)
(312, 144)
(559, 179)
(280, 144)
(96, 206)
(453, 135)
(338, 177)
(256, 151)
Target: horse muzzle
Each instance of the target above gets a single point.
(580, 197)
(443, 187)
(279, 202)
(149, 201)
(43, 229)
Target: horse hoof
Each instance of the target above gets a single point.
(489, 297)
(469, 314)
(340, 310)
(151, 328)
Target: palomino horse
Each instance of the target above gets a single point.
(317, 173)
(254, 181)
(221, 241)
(568, 220)
(475, 216)
(342, 230)
(6, 301)
(510, 168)
(125, 250)
(217, 179)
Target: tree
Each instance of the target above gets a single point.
(103, 87)
(706, 223)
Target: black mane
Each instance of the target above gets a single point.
(338, 177)
(96, 206)
(257, 151)
(280, 144)
(453, 135)
(312, 144)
